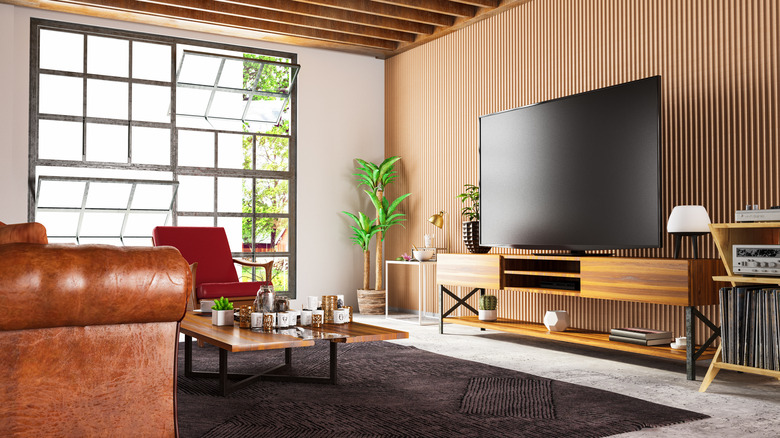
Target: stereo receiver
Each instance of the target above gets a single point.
(756, 260)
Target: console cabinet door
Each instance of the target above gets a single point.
(658, 281)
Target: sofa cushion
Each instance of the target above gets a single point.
(31, 232)
(211, 291)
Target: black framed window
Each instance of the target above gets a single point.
(219, 121)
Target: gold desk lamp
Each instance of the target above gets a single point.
(438, 221)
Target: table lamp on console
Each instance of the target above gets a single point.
(688, 220)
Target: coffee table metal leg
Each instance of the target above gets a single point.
(288, 356)
(223, 374)
(188, 356)
(333, 363)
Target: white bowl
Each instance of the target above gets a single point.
(423, 255)
(677, 346)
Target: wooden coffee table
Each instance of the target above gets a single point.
(234, 339)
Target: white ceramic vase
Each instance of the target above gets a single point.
(556, 320)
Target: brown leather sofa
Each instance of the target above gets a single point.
(88, 337)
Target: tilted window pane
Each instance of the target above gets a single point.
(196, 194)
(62, 51)
(273, 153)
(61, 95)
(65, 194)
(196, 148)
(151, 61)
(58, 223)
(151, 145)
(191, 102)
(272, 196)
(152, 197)
(142, 224)
(107, 99)
(108, 56)
(58, 140)
(200, 70)
(234, 151)
(108, 195)
(151, 103)
(266, 110)
(232, 74)
(107, 143)
(234, 195)
(227, 105)
(102, 224)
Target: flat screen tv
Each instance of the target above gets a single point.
(577, 173)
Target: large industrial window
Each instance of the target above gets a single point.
(210, 128)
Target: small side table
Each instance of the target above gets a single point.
(422, 286)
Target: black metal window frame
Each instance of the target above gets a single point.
(36, 25)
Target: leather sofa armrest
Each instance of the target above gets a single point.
(31, 232)
(64, 285)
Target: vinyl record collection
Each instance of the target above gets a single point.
(750, 326)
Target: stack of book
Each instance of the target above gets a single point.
(641, 336)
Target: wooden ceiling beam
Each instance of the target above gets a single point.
(243, 11)
(337, 14)
(387, 10)
(445, 7)
(480, 3)
(257, 24)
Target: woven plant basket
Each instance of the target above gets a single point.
(371, 302)
(471, 237)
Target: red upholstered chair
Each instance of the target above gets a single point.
(207, 251)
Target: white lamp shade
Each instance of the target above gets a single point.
(688, 219)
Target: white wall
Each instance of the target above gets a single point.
(340, 117)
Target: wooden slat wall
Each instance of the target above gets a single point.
(719, 63)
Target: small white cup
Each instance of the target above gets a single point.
(282, 319)
(681, 341)
(205, 305)
(306, 317)
(314, 302)
(340, 316)
(256, 320)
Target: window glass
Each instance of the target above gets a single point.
(62, 51)
(151, 145)
(196, 193)
(196, 148)
(234, 195)
(107, 143)
(107, 99)
(108, 56)
(151, 61)
(234, 151)
(61, 95)
(59, 140)
(151, 103)
(272, 196)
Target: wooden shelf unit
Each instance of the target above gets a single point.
(679, 282)
(726, 236)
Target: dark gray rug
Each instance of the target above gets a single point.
(390, 390)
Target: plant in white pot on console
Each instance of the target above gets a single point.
(470, 212)
(376, 177)
(487, 308)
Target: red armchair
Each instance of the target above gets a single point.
(88, 337)
(208, 252)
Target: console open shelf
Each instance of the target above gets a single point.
(575, 336)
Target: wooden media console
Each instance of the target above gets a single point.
(686, 283)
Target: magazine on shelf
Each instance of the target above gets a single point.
(648, 342)
(640, 333)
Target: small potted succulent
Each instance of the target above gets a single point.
(222, 312)
(487, 308)
(470, 212)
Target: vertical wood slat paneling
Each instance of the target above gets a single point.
(719, 128)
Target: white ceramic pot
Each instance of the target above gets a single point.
(488, 315)
(222, 317)
(556, 320)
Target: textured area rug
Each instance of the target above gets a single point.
(390, 390)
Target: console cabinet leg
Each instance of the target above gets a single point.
(690, 349)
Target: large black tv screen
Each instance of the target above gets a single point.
(576, 173)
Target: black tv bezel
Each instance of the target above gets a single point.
(579, 249)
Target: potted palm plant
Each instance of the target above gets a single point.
(376, 177)
(470, 211)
